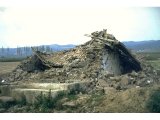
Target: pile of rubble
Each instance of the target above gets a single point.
(103, 60)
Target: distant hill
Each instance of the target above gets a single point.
(138, 46)
(56, 47)
(144, 46)
(26, 51)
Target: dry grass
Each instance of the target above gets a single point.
(135, 100)
(132, 100)
(6, 67)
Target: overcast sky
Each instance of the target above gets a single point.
(64, 23)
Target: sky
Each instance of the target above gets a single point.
(65, 22)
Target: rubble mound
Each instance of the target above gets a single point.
(103, 59)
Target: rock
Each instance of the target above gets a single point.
(2, 110)
(102, 83)
(142, 75)
(125, 80)
(158, 72)
(6, 99)
(149, 81)
(109, 75)
(116, 78)
(19, 70)
(137, 86)
(77, 64)
(82, 99)
(109, 90)
(11, 79)
(3, 81)
(91, 56)
(133, 74)
(69, 104)
(142, 82)
(83, 76)
(93, 75)
(16, 75)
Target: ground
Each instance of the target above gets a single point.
(6, 67)
(139, 99)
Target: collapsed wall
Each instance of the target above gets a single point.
(102, 55)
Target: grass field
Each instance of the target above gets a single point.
(152, 58)
(155, 63)
(151, 55)
(6, 67)
(12, 59)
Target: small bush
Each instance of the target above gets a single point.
(7, 105)
(44, 100)
(23, 101)
(44, 103)
(153, 103)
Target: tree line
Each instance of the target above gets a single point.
(23, 51)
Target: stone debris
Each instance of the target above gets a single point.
(69, 104)
(103, 59)
(6, 99)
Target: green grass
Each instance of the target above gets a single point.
(153, 103)
(45, 103)
(12, 59)
(152, 58)
(154, 63)
(151, 55)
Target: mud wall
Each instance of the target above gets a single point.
(111, 63)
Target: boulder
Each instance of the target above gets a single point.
(115, 78)
(69, 104)
(125, 80)
(133, 74)
(6, 99)
(109, 90)
(102, 83)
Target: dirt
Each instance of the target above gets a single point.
(135, 100)
(7, 67)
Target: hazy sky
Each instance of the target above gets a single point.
(64, 23)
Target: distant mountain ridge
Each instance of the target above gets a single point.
(56, 47)
(138, 46)
(144, 46)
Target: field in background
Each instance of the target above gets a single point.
(12, 59)
(153, 59)
(6, 67)
(151, 55)
(155, 63)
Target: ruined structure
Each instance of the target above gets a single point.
(112, 55)
(100, 56)
(116, 58)
(103, 63)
